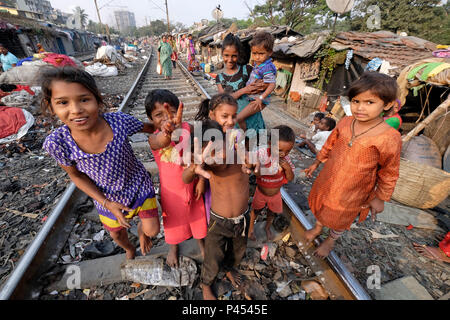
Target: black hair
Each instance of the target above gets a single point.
(207, 125)
(264, 39)
(7, 87)
(160, 96)
(286, 133)
(67, 74)
(319, 115)
(380, 84)
(232, 41)
(331, 123)
(208, 105)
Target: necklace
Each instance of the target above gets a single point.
(356, 136)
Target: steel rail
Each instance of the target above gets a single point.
(336, 263)
(190, 76)
(350, 281)
(26, 260)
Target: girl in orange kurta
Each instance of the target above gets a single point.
(362, 160)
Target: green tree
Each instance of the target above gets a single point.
(99, 28)
(427, 19)
(304, 16)
(83, 16)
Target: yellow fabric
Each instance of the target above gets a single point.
(149, 204)
(439, 69)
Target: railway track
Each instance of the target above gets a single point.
(43, 252)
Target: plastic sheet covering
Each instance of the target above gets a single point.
(101, 70)
(22, 131)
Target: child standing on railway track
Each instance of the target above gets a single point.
(234, 81)
(93, 148)
(226, 241)
(362, 160)
(221, 108)
(280, 171)
(182, 204)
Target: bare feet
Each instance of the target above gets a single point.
(310, 235)
(433, 253)
(207, 293)
(145, 242)
(130, 253)
(325, 248)
(235, 278)
(172, 256)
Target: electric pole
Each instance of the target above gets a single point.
(168, 22)
(100, 20)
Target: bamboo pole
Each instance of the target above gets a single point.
(441, 109)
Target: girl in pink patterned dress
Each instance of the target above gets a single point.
(182, 204)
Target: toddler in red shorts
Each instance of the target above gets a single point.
(281, 171)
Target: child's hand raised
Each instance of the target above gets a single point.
(201, 158)
(116, 209)
(174, 122)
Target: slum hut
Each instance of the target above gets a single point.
(16, 32)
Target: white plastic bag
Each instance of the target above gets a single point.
(159, 69)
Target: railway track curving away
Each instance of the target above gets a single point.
(42, 259)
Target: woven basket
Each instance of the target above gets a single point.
(421, 186)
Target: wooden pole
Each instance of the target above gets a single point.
(100, 20)
(168, 22)
(441, 109)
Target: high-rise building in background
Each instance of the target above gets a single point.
(35, 9)
(124, 20)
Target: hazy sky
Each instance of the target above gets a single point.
(185, 11)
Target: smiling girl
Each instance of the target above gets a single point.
(234, 78)
(362, 160)
(93, 148)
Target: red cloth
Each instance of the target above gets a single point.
(183, 216)
(26, 88)
(59, 60)
(11, 120)
(274, 203)
(445, 244)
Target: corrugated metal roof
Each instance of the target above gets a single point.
(399, 51)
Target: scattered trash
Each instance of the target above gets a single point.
(286, 237)
(172, 298)
(135, 285)
(155, 271)
(54, 293)
(87, 292)
(124, 298)
(315, 290)
(134, 295)
(101, 70)
(377, 235)
(264, 252)
(99, 249)
(283, 289)
(99, 236)
(44, 219)
(410, 227)
(298, 296)
(296, 266)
